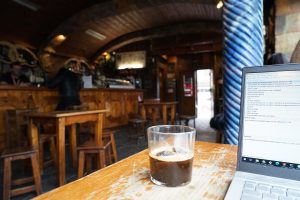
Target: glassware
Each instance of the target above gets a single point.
(171, 154)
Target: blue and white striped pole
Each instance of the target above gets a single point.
(243, 47)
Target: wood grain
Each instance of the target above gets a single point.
(45, 100)
(213, 169)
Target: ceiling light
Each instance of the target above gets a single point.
(28, 4)
(60, 38)
(95, 34)
(220, 4)
(57, 40)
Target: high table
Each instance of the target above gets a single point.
(154, 105)
(213, 169)
(61, 119)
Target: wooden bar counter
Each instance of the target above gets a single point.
(121, 103)
(213, 169)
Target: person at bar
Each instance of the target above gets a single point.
(69, 81)
(15, 76)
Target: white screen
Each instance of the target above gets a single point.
(271, 123)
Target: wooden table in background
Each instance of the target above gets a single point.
(154, 105)
(61, 119)
(213, 169)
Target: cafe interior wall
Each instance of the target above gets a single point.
(287, 26)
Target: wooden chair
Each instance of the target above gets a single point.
(90, 147)
(20, 153)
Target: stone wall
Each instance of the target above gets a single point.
(287, 26)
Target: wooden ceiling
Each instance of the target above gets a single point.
(112, 18)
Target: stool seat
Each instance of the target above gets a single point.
(18, 151)
(137, 120)
(187, 118)
(91, 145)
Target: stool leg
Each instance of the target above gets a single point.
(53, 151)
(36, 174)
(89, 163)
(101, 158)
(7, 178)
(81, 164)
(114, 149)
(108, 153)
(41, 159)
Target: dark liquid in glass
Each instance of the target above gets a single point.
(171, 173)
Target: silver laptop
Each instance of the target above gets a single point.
(269, 138)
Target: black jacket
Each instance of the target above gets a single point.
(69, 84)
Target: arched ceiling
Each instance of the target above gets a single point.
(115, 19)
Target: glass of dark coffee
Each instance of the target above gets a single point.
(171, 154)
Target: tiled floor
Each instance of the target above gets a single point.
(125, 148)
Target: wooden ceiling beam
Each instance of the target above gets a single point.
(204, 48)
(212, 27)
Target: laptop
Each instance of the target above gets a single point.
(268, 165)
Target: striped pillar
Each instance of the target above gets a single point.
(243, 47)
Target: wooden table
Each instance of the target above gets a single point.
(154, 105)
(61, 119)
(213, 169)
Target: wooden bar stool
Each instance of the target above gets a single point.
(21, 153)
(110, 135)
(187, 118)
(137, 127)
(50, 139)
(107, 134)
(90, 147)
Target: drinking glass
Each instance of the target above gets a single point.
(171, 154)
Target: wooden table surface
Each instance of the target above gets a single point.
(61, 119)
(213, 169)
(67, 113)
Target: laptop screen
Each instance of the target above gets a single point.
(271, 121)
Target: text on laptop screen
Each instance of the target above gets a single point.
(271, 122)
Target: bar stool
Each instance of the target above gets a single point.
(90, 147)
(187, 118)
(107, 134)
(110, 135)
(20, 153)
(137, 127)
(50, 139)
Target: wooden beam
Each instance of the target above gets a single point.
(215, 47)
(213, 27)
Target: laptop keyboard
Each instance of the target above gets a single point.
(253, 190)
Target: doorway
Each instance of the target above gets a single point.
(205, 103)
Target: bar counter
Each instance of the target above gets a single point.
(213, 169)
(121, 103)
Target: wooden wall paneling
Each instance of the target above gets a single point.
(115, 102)
(132, 104)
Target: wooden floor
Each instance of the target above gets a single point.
(125, 148)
